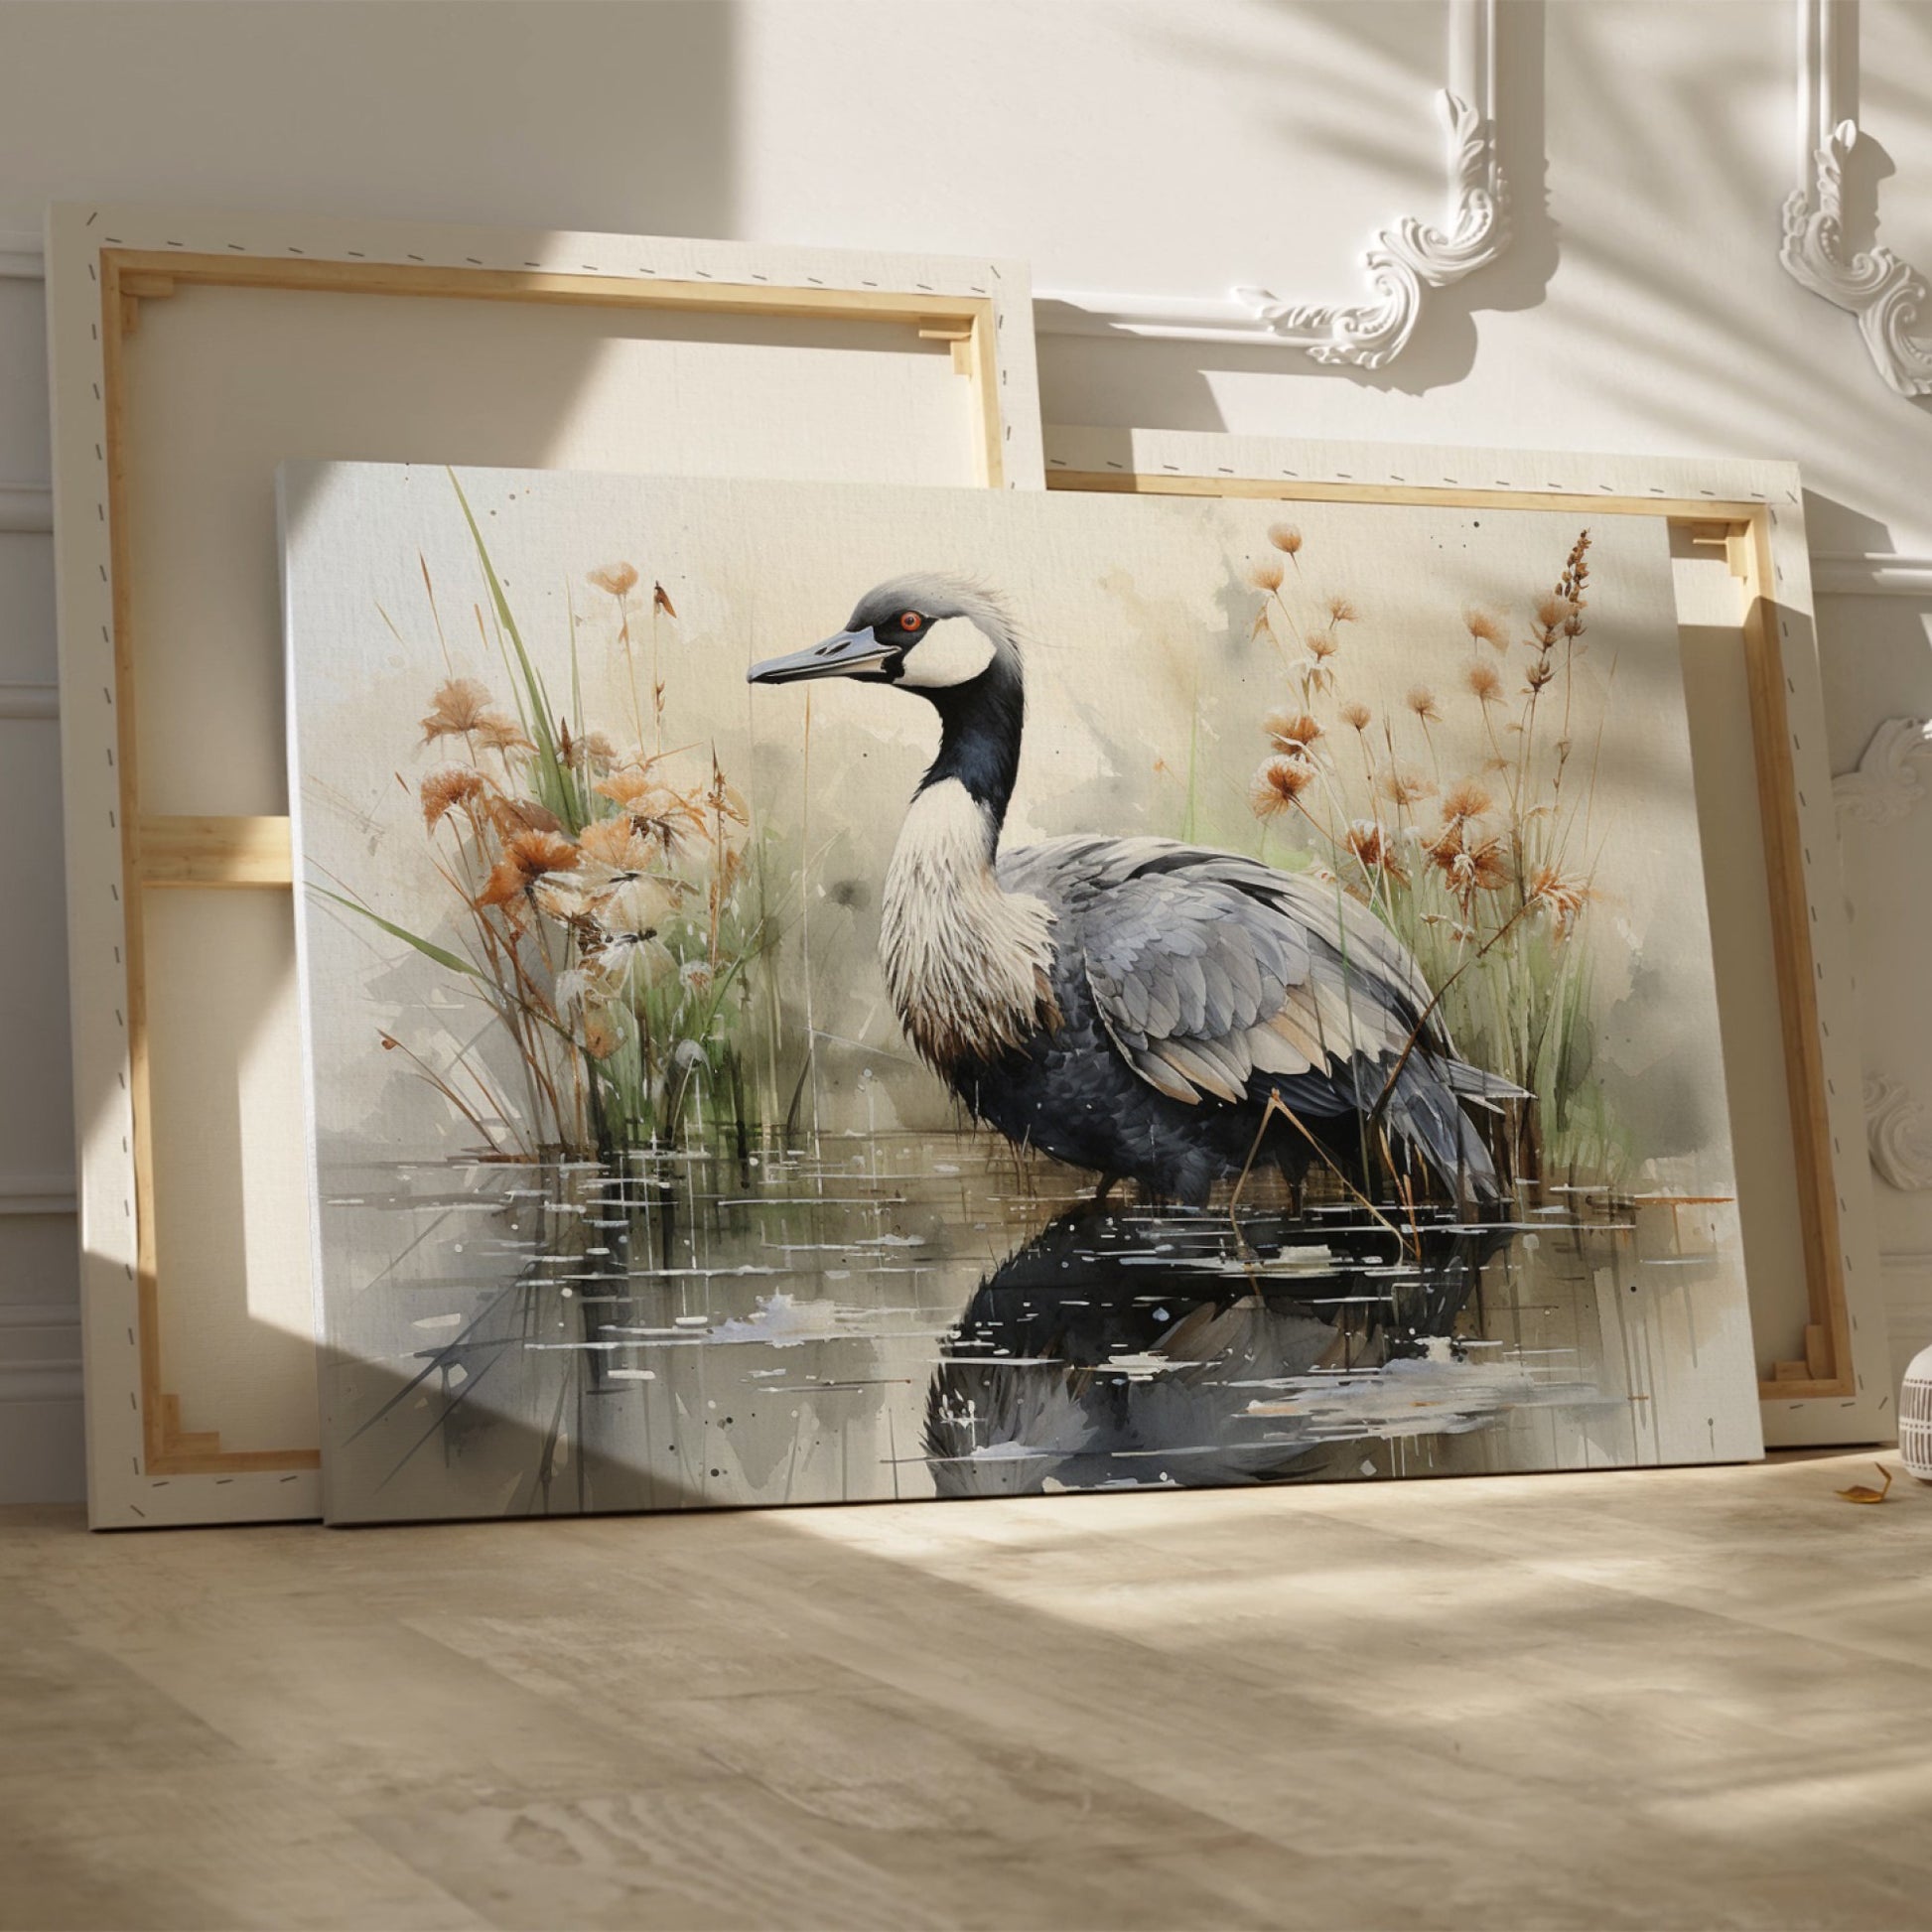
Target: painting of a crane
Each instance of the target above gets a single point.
(1175, 996)
(1137, 1007)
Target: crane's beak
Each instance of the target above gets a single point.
(851, 653)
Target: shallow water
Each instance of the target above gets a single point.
(918, 1315)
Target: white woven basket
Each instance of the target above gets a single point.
(1915, 1417)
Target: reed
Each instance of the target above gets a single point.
(1487, 873)
(603, 904)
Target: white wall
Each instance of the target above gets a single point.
(1176, 146)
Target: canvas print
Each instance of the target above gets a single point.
(826, 994)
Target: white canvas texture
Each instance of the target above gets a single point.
(804, 1329)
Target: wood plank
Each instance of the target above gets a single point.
(180, 1442)
(540, 285)
(215, 852)
(1818, 1351)
(199, 1452)
(1798, 1386)
(193, 1457)
(1797, 979)
(981, 353)
(1313, 490)
(115, 311)
(1066, 1711)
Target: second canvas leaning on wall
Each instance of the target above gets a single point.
(826, 994)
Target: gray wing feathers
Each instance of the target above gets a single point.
(1071, 870)
(1208, 968)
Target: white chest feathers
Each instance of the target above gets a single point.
(968, 965)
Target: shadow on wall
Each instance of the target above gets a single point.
(1443, 349)
(1873, 647)
(622, 116)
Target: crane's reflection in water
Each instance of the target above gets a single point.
(1194, 1347)
(895, 1317)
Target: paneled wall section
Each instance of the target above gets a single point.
(40, 1316)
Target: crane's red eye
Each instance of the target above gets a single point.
(909, 621)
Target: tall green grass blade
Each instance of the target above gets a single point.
(557, 783)
(429, 951)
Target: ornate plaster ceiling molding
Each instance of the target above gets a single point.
(1404, 262)
(1899, 1134)
(1887, 784)
(1888, 295)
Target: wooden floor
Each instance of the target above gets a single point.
(1679, 1699)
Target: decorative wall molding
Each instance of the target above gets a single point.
(38, 1193)
(1871, 573)
(1908, 1299)
(1887, 784)
(39, 1315)
(1404, 262)
(1888, 295)
(39, 1351)
(30, 701)
(22, 258)
(38, 1382)
(1898, 1130)
(26, 509)
(1884, 787)
(39, 1342)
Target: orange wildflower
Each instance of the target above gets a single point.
(527, 857)
(1293, 732)
(453, 788)
(1278, 784)
(619, 579)
(460, 706)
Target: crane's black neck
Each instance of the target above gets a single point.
(980, 726)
